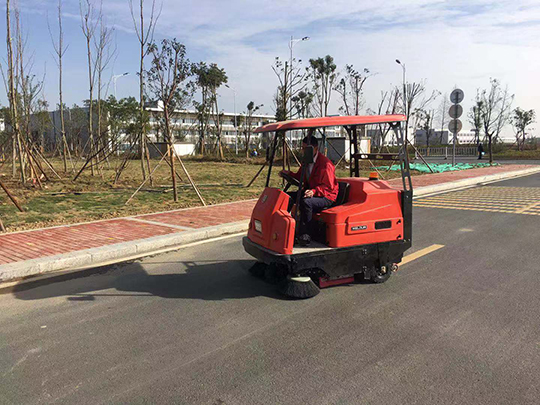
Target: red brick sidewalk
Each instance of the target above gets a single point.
(20, 246)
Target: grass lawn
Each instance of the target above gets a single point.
(529, 154)
(96, 197)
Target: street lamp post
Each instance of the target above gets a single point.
(235, 127)
(115, 78)
(292, 42)
(404, 98)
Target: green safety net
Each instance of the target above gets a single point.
(439, 167)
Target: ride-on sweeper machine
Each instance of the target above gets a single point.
(363, 235)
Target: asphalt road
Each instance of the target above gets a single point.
(460, 325)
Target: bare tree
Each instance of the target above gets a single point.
(104, 55)
(521, 119)
(167, 83)
(426, 125)
(388, 104)
(17, 144)
(443, 116)
(415, 100)
(60, 51)
(289, 77)
(350, 89)
(494, 105)
(89, 24)
(475, 118)
(145, 34)
(29, 88)
(217, 78)
(248, 128)
(505, 112)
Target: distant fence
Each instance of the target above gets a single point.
(446, 151)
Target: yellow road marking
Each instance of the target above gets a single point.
(466, 209)
(463, 208)
(528, 207)
(508, 200)
(470, 202)
(481, 199)
(458, 205)
(418, 254)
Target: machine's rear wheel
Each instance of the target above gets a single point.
(381, 274)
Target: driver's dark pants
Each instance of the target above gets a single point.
(308, 207)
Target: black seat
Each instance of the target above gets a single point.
(343, 194)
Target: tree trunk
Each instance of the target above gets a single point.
(13, 155)
(60, 94)
(90, 109)
(171, 153)
(12, 95)
(490, 149)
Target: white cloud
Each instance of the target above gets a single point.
(463, 42)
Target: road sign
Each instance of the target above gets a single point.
(457, 96)
(455, 111)
(455, 126)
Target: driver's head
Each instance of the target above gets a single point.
(307, 141)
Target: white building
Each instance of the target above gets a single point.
(186, 125)
(466, 137)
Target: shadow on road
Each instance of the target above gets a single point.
(205, 281)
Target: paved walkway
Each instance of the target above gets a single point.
(34, 244)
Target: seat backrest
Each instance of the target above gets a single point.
(343, 194)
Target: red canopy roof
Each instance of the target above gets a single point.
(331, 122)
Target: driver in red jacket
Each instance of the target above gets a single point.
(320, 189)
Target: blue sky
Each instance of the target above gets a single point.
(448, 43)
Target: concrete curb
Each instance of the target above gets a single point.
(121, 252)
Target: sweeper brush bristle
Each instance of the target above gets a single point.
(299, 287)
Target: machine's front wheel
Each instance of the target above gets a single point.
(381, 274)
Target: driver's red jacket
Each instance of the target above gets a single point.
(322, 180)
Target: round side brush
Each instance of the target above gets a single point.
(299, 287)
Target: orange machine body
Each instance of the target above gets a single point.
(271, 226)
(371, 214)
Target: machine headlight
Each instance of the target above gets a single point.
(258, 226)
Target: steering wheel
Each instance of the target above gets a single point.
(291, 181)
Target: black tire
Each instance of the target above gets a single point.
(382, 274)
